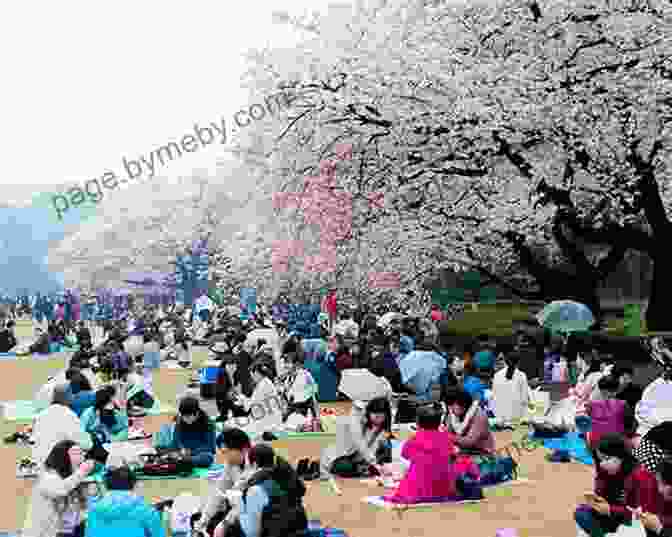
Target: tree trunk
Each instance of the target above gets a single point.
(660, 296)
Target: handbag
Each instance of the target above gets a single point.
(165, 464)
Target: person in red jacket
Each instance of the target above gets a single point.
(659, 521)
(621, 486)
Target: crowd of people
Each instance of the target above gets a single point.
(454, 401)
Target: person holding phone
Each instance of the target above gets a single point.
(58, 500)
(107, 418)
(621, 486)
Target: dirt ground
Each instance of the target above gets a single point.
(541, 508)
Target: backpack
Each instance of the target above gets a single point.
(283, 516)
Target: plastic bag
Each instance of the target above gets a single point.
(636, 529)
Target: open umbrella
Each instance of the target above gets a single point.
(566, 316)
(362, 385)
(347, 327)
(422, 369)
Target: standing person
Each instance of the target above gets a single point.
(122, 511)
(58, 502)
(224, 385)
(151, 359)
(511, 392)
(243, 376)
(58, 423)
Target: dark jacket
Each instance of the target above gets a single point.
(285, 515)
(7, 340)
(631, 394)
(243, 375)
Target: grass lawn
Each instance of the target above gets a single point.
(499, 319)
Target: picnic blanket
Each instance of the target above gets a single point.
(25, 411)
(196, 473)
(573, 443)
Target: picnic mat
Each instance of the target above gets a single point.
(197, 473)
(24, 411)
(571, 442)
(378, 501)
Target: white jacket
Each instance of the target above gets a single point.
(54, 424)
(511, 397)
(49, 499)
(655, 406)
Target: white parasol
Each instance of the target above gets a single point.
(388, 318)
(362, 385)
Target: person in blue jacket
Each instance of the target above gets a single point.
(121, 511)
(194, 432)
(83, 395)
(107, 418)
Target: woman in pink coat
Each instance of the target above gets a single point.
(432, 475)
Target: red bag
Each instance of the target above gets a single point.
(344, 361)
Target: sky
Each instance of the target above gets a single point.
(86, 84)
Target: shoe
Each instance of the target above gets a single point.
(268, 437)
(313, 471)
(302, 467)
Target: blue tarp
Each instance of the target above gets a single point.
(573, 443)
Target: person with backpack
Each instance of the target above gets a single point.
(271, 503)
(234, 445)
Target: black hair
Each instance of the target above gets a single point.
(289, 347)
(262, 368)
(595, 365)
(621, 370)
(429, 416)
(122, 478)
(71, 372)
(61, 395)
(58, 459)
(613, 445)
(608, 383)
(79, 383)
(272, 467)
(233, 438)
(378, 405)
(103, 397)
(664, 470)
(189, 406)
(458, 395)
(512, 360)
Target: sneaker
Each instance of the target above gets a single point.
(302, 467)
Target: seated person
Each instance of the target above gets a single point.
(474, 382)
(260, 405)
(138, 397)
(628, 391)
(105, 420)
(122, 511)
(225, 396)
(468, 422)
(658, 521)
(609, 414)
(83, 395)
(431, 476)
(41, 345)
(57, 423)
(621, 486)
(83, 334)
(7, 337)
(361, 442)
(510, 392)
(272, 500)
(193, 433)
(234, 444)
(298, 385)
